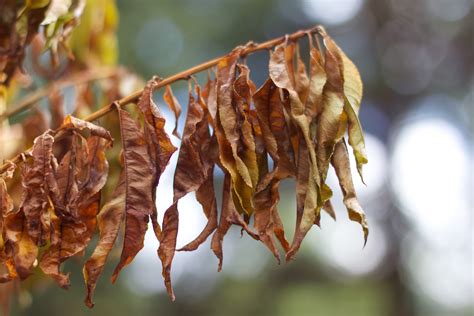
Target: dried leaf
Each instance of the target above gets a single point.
(139, 203)
(28, 227)
(109, 220)
(80, 176)
(352, 98)
(340, 161)
(280, 69)
(174, 106)
(318, 77)
(276, 139)
(71, 122)
(228, 137)
(331, 119)
(244, 89)
(159, 144)
(224, 224)
(206, 147)
(266, 198)
(193, 169)
(63, 215)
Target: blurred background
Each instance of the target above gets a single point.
(416, 61)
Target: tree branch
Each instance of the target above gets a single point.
(133, 98)
(76, 79)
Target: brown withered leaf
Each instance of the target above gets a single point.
(206, 197)
(228, 136)
(159, 144)
(193, 170)
(276, 139)
(174, 106)
(80, 176)
(211, 92)
(330, 125)
(228, 216)
(314, 105)
(352, 98)
(318, 78)
(206, 146)
(139, 203)
(109, 220)
(302, 80)
(224, 224)
(28, 227)
(340, 162)
(71, 122)
(244, 89)
(280, 69)
(63, 214)
(265, 201)
(168, 245)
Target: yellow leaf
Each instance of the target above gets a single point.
(353, 95)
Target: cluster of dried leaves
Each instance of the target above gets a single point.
(22, 20)
(293, 126)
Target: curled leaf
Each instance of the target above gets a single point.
(80, 176)
(174, 105)
(206, 149)
(139, 203)
(282, 74)
(109, 220)
(158, 142)
(228, 135)
(352, 98)
(340, 161)
(71, 122)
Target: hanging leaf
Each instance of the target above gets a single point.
(158, 142)
(341, 164)
(331, 118)
(224, 222)
(280, 69)
(80, 176)
(65, 225)
(174, 106)
(206, 147)
(352, 98)
(276, 139)
(109, 220)
(28, 227)
(228, 138)
(139, 203)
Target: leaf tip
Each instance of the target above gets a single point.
(366, 236)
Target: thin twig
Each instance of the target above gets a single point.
(73, 80)
(133, 98)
